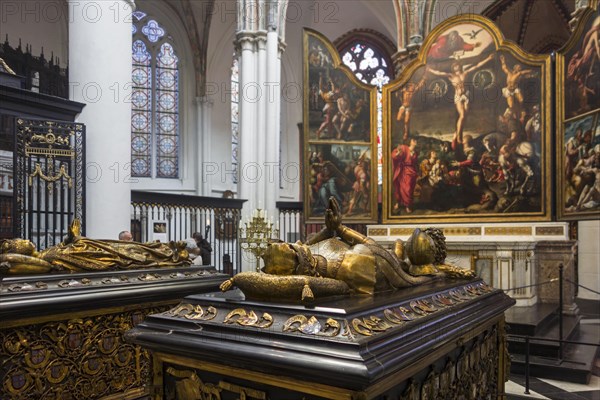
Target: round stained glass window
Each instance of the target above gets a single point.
(166, 79)
(139, 76)
(139, 167)
(139, 122)
(153, 31)
(167, 101)
(167, 168)
(139, 99)
(167, 123)
(139, 144)
(167, 146)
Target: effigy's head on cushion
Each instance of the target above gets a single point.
(17, 246)
(280, 259)
(339, 260)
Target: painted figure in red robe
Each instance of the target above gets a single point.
(405, 165)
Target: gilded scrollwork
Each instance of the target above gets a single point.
(240, 316)
(393, 316)
(458, 295)
(84, 358)
(21, 287)
(442, 300)
(369, 325)
(149, 277)
(112, 280)
(347, 333)
(193, 312)
(74, 283)
(422, 307)
(312, 326)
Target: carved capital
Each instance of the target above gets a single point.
(404, 56)
(245, 40)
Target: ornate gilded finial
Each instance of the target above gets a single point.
(256, 234)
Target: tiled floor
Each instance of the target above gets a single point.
(547, 389)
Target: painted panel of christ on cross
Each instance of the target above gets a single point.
(466, 130)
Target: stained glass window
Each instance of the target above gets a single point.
(235, 112)
(141, 111)
(154, 101)
(373, 67)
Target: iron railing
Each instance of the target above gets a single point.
(166, 217)
(561, 341)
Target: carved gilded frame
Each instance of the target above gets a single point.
(313, 207)
(514, 54)
(569, 190)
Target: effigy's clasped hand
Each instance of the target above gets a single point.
(333, 216)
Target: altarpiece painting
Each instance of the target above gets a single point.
(578, 125)
(466, 130)
(339, 152)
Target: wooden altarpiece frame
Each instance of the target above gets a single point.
(493, 164)
(339, 152)
(578, 121)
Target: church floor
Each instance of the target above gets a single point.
(549, 389)
(545, 389)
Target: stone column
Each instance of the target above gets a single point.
(261, 118)
(205, 171)
(248, 135)
(549, 256)
(273, 122)
(99, 72)
(248, 115)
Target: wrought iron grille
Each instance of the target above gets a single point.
(49, 179)
(217, 219)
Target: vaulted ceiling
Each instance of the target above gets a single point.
(538, 26)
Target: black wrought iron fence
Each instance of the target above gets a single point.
(166, 217)
(49, 184)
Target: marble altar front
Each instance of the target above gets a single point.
(521, 258)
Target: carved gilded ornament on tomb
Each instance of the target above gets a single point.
(244, 318)
(312, 326)
(193, 312)
(73, 359)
